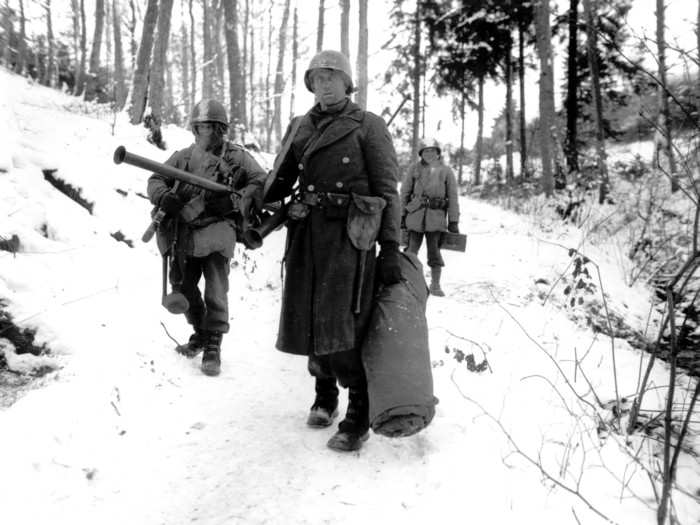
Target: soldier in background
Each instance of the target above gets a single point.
(429, 206)
(345, 163)
(199, 231)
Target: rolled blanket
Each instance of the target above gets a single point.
(396, 356)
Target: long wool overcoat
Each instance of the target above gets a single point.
(436, 181)
(350, 152)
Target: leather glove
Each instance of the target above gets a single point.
(218, 204)
(453, 227)
(388, 264)
(171, 204)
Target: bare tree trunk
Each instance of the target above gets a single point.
(362, 45)
(208, 67)
(217, 10)
(119, 80)
(193, 56)
(462, 108)
(244, 63)
(139, 84)
(8, 26)
(22, 44)
(509, 112)
(479, 134)
(107, 55)
(50, 78)
(158, 62)
(572, 90)
(592, 45)
(416, 78)
(251, 75)
(279, 74)
(236, 80)
(75, 19)
(268, 94)
(697, 80)
(81, 77)
(170, 112)
(544, 51)
(93, 78)
(295, 59)
(521, 83)
(664, 111)
(345, 27)
(320, 26)
(185, 65)
(133, 45)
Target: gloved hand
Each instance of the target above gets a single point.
(388, 264)
(247, 200)
(453, 227)
(218, 204)
(171, 204)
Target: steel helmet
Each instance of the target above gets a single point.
(208, 110)
(429, 142)
(329, 59)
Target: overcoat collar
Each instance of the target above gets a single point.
(347, 120)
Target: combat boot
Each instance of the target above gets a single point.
(435, 273)
(211, 358)
(193, 346)
(354, 429)
(325, 407)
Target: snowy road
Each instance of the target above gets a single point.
(129, 432)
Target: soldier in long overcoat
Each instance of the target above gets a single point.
(430, 206)
(344, 162)
(198, 232)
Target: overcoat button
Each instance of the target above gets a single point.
(311, 187)
(300, 166)
(339, 184)
(346, 160)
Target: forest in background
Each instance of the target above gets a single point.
(154, 59)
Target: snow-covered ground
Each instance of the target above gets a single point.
(127, 431)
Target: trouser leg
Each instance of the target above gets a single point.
(216, 269)
(186, 274)
(432, 240)
(415, 239)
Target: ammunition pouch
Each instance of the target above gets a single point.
(434, 203)
(364, 220)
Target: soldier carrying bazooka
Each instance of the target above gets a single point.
(198, 227)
